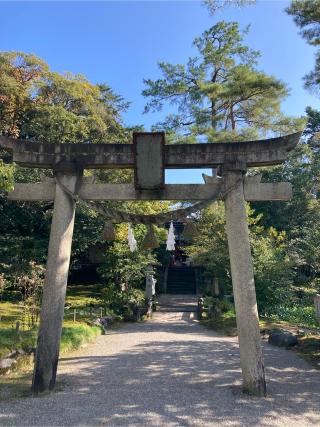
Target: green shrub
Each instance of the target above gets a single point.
(123, 302)
(216, 306)
(74, 336)
(136, 296)
(296, 314)
(9, 340)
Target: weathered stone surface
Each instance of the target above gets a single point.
(46, 191)
(54, 290)
(251, 358)
(255, 190)
(16, 353)
(6, 365)
(317, 305)
(252, 192)
(267, 191)
(282, 339)
(149, 156)
(104, 322)
(251, 153)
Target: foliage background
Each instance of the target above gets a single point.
(221, 94)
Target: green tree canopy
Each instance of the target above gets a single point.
(272, 265)
(216, 5)
(306, 15)
(36, 103)
(41, 105)
(299, 217)
(219, 93)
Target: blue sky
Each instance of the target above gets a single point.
(121, 42)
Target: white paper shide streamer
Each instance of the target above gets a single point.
(131, 240)
(171, 239)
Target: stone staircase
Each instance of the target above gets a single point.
(181, 281)
(177, 303)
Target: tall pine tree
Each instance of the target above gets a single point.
(219, 94)
(306, 14)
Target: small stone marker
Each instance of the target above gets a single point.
(6, 365)
(18, 329)
(216, 289)
(150, 289)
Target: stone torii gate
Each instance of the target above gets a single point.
(149, 156)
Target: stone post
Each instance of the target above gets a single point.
(216, 288)
(54, 291)
(251, 358)
(317, 306)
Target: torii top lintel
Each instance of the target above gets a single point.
(93, 156)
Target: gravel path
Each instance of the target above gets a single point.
(170, 372)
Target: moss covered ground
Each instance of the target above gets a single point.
(84, 299)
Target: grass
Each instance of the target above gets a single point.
(86, 300)
(74, 334)
(9, 340)
(10, 312)
(225, 323)
(17, 382)
(309, 349)
(83, 296)
(299, 314)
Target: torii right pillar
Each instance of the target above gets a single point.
(251, 358)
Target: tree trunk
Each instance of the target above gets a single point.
(233, 122)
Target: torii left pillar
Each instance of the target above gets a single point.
(54, 291)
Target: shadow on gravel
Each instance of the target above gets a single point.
(176, 380)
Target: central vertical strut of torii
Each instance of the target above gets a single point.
(149, 156)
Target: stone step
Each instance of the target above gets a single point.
(176, 303)
(182, 288)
